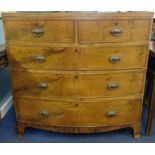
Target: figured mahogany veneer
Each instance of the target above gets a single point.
(78, 72)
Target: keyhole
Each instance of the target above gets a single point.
(76, 50)
(76, 77)
(116, 23)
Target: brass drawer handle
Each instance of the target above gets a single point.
(113, 86)
(37, 32)
(42, 85)
(44, 113)
(116, 32)
(111, 114)
(39, 58)
(115, 59)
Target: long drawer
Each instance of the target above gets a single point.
(59, 31)
(74, 113)
(88, 58)
(77, 84)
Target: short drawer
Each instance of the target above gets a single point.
(113, 30)
(77, 84)
(70, 58)
(39, 31)
(74, 113)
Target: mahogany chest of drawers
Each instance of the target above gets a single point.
(78, 72)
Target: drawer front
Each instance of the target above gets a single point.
(98, 58)
(113, 31)
(77, 84)
(35, 31)
(93, 113)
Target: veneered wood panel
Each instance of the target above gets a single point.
(71, 58)
(90, 113)
(101, 31)
(44, 30)
(140, 29)
(77, 84)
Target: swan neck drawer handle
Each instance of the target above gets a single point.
(111, 114)
(39, 58)
(113, 86)
(115, 59)
(116, 32)
(42, 85)
(44, 113)
(37, 32)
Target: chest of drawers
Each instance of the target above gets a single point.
(78, 72)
